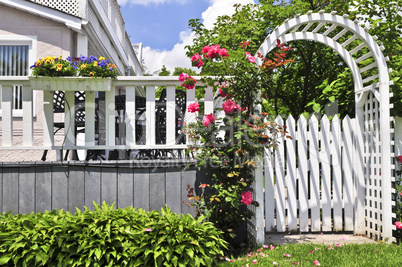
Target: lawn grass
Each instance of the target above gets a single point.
(368, 255)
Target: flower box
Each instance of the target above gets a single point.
(70, 83)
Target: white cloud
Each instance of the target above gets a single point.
(219, 8)
(154, 59)
(147, 2)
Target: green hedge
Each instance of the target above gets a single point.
(108, 237)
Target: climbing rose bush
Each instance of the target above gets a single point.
(230, 147)
(397, 197)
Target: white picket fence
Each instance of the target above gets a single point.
(309, 179)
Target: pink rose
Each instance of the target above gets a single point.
(196, 57)
(197, 60)
(213, 51)
(193, 107)
(208, 119)
(187, 81)
(205, 49)
(223, 94)
(246, 198)
(229, 106)
(183, 77)
(223, 52)
(398, 225)
(250, 58)
(200, 63)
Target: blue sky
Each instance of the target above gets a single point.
(162, 26)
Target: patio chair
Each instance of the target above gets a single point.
(160, 124)
(59, 107)
(120, 126)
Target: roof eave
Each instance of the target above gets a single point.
(72, 22)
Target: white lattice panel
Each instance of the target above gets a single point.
(372, 170)
(67, 6)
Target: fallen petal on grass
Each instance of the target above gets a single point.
(316, 263)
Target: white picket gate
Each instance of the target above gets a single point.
(309, 180)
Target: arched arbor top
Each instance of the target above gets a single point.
(351, 41)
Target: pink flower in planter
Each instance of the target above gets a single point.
(316, 263)
(229, 106)
(398, 225)
(287, 255)
(254, 261)
(148, 230)
(193, 107)
(246, 197)
(208, 119)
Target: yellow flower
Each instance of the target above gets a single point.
(91, 74)
(95, 63)
(59, 67)
(47, 61)
(83, 66)
(60, 57)
(101, 58)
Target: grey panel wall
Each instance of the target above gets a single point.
(27, 187)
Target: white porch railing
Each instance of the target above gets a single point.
(144, 86)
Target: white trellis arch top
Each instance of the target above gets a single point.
(372, 154)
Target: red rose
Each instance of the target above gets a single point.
(223, 94)
(193, 107)
(229, 106)
(246, 198)
(208, 119)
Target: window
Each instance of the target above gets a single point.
(16, 54)
(14, 60)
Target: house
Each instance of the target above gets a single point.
(35, 29)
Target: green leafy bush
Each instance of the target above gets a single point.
(108, 237)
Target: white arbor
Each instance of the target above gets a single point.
(372, 154)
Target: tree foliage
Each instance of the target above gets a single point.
(318, 80)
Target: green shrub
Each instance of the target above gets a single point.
(108, 237)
